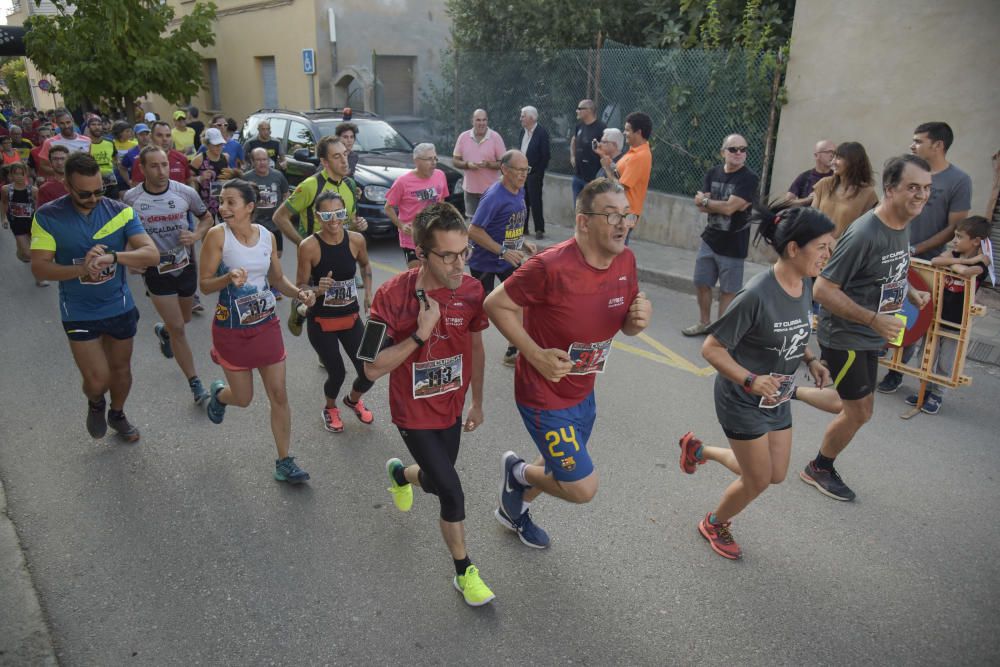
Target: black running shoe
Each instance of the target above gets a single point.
(124, 428)
(827, 482)
(97, 424)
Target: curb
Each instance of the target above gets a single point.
(25, 639)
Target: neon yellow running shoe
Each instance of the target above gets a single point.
(472, 588)
(402, 494)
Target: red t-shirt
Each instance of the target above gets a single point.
(180, 168)
(568, 301)
(449, 349)
(50, 191)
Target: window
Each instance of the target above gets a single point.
(395, 75)
(299, 136)
(214, 92)
(269, 82)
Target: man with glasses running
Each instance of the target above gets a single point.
(729, 193)
(562, 309)
(81, 240)
(413, 192)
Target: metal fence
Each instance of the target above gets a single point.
(694, 97)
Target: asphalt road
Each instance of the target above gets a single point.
(182, 549)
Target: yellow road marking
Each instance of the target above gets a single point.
(666, 356)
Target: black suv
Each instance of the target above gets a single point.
(383, 155)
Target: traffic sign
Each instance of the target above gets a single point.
(308, 61)
(44, 85)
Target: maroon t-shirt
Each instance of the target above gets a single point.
(427, 391)
(50, 191)
(567, 302)
(180, 168)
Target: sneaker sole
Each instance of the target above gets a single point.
(127, 437)
(511, 527)
(686, 438)
(333, 429)
(819, 487)
(886, 390)
(927, 411)
(702, 532)
(454, 582)
(288, 480)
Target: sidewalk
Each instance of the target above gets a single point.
(673, 268)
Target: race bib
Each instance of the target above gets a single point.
(104, 276)
(513, 244)
(266, 197)
(341, 293)
(20, 209)
(589, 358)
(785, 390)
(438, 376)
(254, 308)
(174, 260)
(891, 298)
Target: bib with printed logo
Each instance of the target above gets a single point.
(174, 260)
(786, 387)
(589, 358)
(104, 276)
(341, 293)
(438, 376)
(256, 307)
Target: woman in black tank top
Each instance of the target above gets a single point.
(329, 259)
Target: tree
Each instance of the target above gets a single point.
(110, 53)
(15, 80)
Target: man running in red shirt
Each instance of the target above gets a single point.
(180, 169)
(54, 186)
(434, 321)
(561, 309)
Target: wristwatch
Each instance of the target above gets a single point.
(748, 382)
(417, 339)
(114, 257)
(705, 200)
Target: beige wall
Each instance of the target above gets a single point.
(872, 71)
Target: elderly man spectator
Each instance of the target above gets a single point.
(535, 146)
(800, 193)
(19, 143)
(634, 167)
(610, 150)
(413, 192)
(477, 153)
(582, 157)
(729, 192)
(270, 145)
(348, 133)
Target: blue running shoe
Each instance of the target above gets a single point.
(163, 336)
(286, 470)
(198, 389)
(216, 410)
(526, 529)
(511, 491)
(932, 403)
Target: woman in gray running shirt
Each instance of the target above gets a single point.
(757, 347)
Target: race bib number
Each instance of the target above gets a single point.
(174, 260)
(266, 197)
(254, 308)
(20, 209)
(341, 293)
(513, 244)
(589, 358)
(785, 390)
(438, 376)
(891, 298)
(104, 276)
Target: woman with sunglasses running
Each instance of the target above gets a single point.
(757, 347)
(328, 260)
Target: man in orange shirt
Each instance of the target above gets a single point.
(633, 169)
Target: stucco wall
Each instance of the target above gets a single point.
(872, 71)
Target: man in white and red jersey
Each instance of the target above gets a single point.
(180, 168)
(163, 206)
(67, 136)
(562, 309)
(434, 321)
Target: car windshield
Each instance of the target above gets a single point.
(373, 135)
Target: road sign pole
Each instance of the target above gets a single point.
(312, 92)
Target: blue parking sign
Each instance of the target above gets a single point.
(308, 61)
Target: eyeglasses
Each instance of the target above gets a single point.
(429, 159)
(519, 170)
(87, 194)
(327, 216)
(736, 149)
(615, 219)
(450, 258)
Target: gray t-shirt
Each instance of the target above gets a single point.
(271, 191)
(870, 264)
(951, 191)
(766, 330)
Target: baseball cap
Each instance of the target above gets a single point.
(140, 127)
(180, 114)
(150, 117)
(214, 137)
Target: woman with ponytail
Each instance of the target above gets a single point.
(757, 347)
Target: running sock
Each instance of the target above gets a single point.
(822, 462)
(712, 519)
(350, 403)
(98, 405)
(462, 565)
(192, 380)
(795, 393)
(698, 453)
(518, 472)
(115, 414)
(399, 477)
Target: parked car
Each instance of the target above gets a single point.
(383, 156)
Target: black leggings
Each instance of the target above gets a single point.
(436, 451)
(327, 346)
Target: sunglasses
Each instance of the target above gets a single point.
(87, 194)
(737, 149)
(327, 216)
